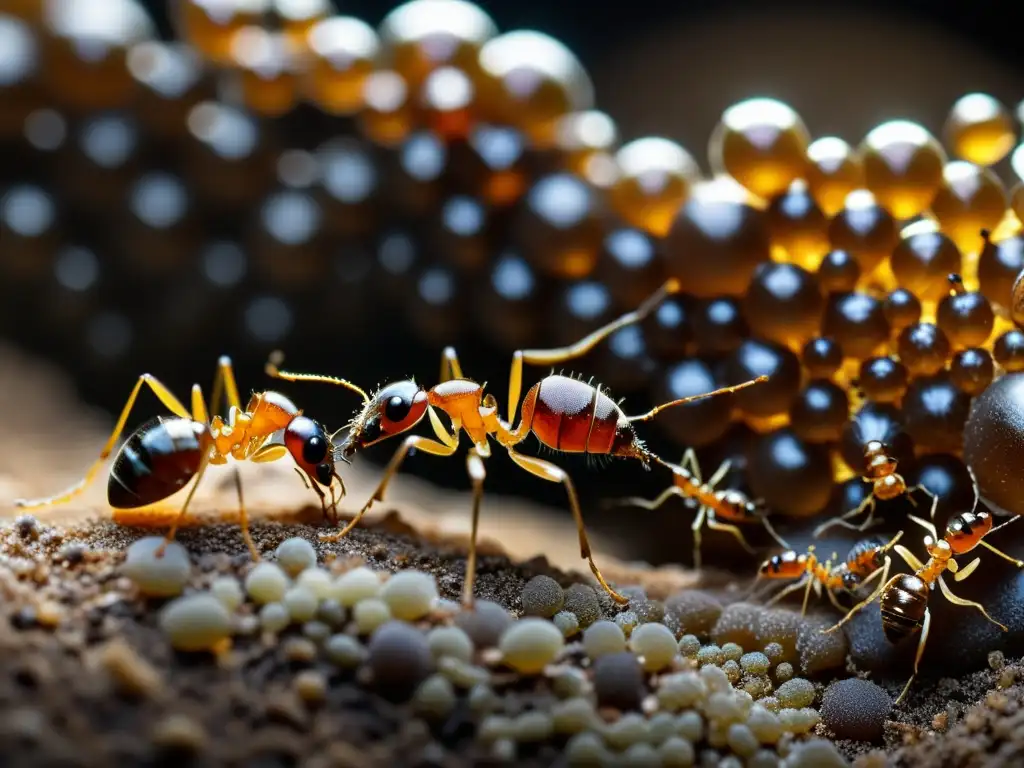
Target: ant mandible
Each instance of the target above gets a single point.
(715, 505)
(564, 413)
(904, 598)
(164, 454)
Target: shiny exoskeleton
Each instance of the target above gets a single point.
(166, 453)
(904, 597)
(564, 413)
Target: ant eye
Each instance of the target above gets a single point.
(397, 408)
(314, 451)
(324, 474)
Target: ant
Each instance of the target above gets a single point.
(715, 505)
(164, 454)
(886, 484)
(867, 560)
(904, 598)
(564, 413)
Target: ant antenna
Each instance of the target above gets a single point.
(277, 358)
(682, 401)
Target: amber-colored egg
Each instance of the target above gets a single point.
(417, 171)
(923, 348)
(630, 265)
(209, 26)
(972, 370)
(882, 379)
(822, 357)
(446, 101)
(86, 54)
(101, 159)
(669, 330)
(492, 164)
(762, 143)
(582, 306)
(423, 35)
(587, 140)
(971, 199)
(654, 179)
(341, 55)
(835, 170)
(922, 262)
(1008, 350)
(979, 129)
(701, 422)
(966, 317)
(798, 225)
(792, 476)
(161, 232)
(560, 226)
(509, 303)
(819, 412)
(19, 67)
(1017, 193)
(716, 241)
(784, 303)
(171, 82)
(718, 325)
(267, 70)
(461, 233)
(865, 229)
(388, 114)
(998, 266)
(857, 322)
(349, 187)
(295, 18)
(287, 240)
(902, 166)
(30, 228)
(531, 80)
(838, 272)
(902, 308)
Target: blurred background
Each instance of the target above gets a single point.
(360, 186)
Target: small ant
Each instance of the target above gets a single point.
(715, 505)
(164, 454)
(886, 484)
(867, 560)
(904, 598)
(564, 413)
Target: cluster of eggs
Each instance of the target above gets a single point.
(282, 170)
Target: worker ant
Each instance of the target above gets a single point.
(564, 413)
(866, 561)
(164, 454)
(716, 506)
(904, 597)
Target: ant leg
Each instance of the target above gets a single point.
(450, 368)
(689, 462)
(696, 526)
(798, 585)
(842, 520)
(661, 498)
(807, 595)
(159, 552)
(554, 474)
(1002, 554)
(920, 651)
(684, 400)
(581, 347)
(477, 475)
(714, 525)
(963, 574)
(277, 357)
(909, 558)
(772, 532)
(721, 472)
(243, 517)
(882, 582)
(926, 524)
(163, 394)
(835, 602)
(224, 382)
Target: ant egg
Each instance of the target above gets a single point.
(934, 413)
(979, 129)
(798, 225)
(881, 422)
(757, 357)
(654, 176)
(624, 364)
(966, 317)
(857, 322)
(417, 172)
(998, 266)
(902, 166)
(461, 233)
(561, 226)
(882, 379)
(446, 103)
(834, 171)
(210, 26)
(819, 412)
(506, 307)
(630, 265)
(288, 240)
(435, 309)
(902, 308)
(993, 439)
(267, 69)
(668, 330)
(29, 227)
(1017, 193)
(946, 476)
(784, 303)
(19, 70)
(865, 229)
(582, 307)
(838, 272)
(340, 57)
(492, 164)
(792, 476)
(585, 140)
(162, 225)
(171, 80)
(1008, 350)
(530, 80)
(921, 262)
(101, 161)
(296, 18)
(718, 325)
(970, 199)
(388, 113)
(716, 241)
(1017, 300)
(762, 143)
(972, 370)
(923, 349)
(699, 423)
(822, 357)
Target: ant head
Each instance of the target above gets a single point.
(396, 408)
(310, 446)
(850, 580)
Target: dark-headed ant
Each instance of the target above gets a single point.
(164, 454)
(564, 413)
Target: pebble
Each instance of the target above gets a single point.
(295, 555)
(318, 581)
(581, 600)
(228, 590)
(274, 617)
(180, 733)
(530, 644)
(345, 651)
(796, 693)
(461, 674)
(627, 622)
(710, 654)
(856, 709)
(816, 753)
(619, 681)
(311, 686)
(451, 642)
(629, 729)
(533, 726)
(399, 657)
(369, 614)
(732, 652)
(298, 649)
(570, 682)
(567, 623)
(755, 663)
(763, 724)
(655, 644)
(266, 583)
(196, 623)
(603, 637)
(316, 631)
(784, 672)
(692, 612)
(300, 603)
(543, 597)
(410, 595)
(689, 645)
(164, 576)
(485, 623)
(355, 585)
(331, 612)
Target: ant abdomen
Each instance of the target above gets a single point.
(903, 605)
(158, 459)
(573, 416)
(964, 531)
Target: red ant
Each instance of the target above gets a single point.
(164, 454)
(564, 413)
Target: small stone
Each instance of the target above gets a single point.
(485, 623)
(755, 663)
(399, 657)
(266, 583)
(462, 674)
(569, 682)
(228, 590)
(27, 526)
(534, 726)
(410, 595)
(482, 699)
(732, 652)
(331, 612)
(131, 673)
(627, 621)
(764, 725)
(710, 654)
(301, 603)
(196, 623)
(816, 753)
(581, 600)
(295, 555)
(692, 612)
(298, 649)
(316, 631)
(157, 576)
(732, 671)
(503, 750)
(619, 681)
(784, 672)
(655, 645)
(856, 709)
(774, 652)
(603, 637)
(531, 644)
(543, 597)
(274, 617)
(179, 733)
(689, 646)
(796, 693)
(345, 651)
(369, 614)
(567, 623)
(311, 685)
(355, 585)
(450, 641)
